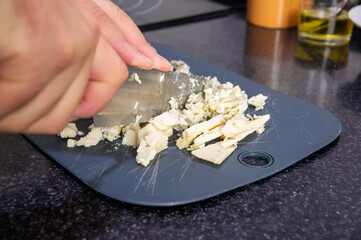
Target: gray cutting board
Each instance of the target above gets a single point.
(296, 130)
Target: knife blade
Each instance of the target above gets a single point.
(147, 96)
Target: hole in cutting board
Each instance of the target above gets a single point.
(255, 159)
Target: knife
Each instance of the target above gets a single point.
(146, 94)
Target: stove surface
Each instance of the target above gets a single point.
(159, 13)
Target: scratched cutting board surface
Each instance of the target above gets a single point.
(296, 129)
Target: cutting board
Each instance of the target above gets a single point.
(296, 129)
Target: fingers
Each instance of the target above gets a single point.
(60, 113)
(107, 74)
(132, 34)
(110, 31)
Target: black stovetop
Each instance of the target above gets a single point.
(149, 14)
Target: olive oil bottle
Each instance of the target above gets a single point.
(323, 26)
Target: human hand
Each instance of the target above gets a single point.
(48, 52)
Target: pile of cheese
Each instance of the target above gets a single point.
(217, 113)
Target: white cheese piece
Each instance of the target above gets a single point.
(132, 126)
(151, 141)
(137, 118)
(111, 133)
(158, 142)
(232, 141)
(150, 128)
(258, 101)
(191, 133)
(173, 103)
(248, 128)
(164, 120)
(70, 131)
(135, 77)
(260, 130)
(130, 138)
(200, 141)
(214, 153)
(234, 126)
(161, 78)
(91, 139)
(71, 143)
(145, 154)
(193, 82)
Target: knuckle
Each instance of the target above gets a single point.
(101, 16)
(66, 52)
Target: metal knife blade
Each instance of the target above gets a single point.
(148, 97)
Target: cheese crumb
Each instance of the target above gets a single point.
(130, 138)
(71, 143)
(70, 131)
(135, 77)
(180, 66)
(161, 78)
(258, 101)
(91, 139)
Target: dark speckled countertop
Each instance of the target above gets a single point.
(317, 198)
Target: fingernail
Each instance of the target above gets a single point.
(147, 62)
(163, 63)
(143, 62)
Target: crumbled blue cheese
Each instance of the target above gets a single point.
(216, 113)
(173, 103)
(244, 129)
(258, 101)
(145, 154)
(180, 66)
(164, 120)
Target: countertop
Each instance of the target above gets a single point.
(317, 198)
